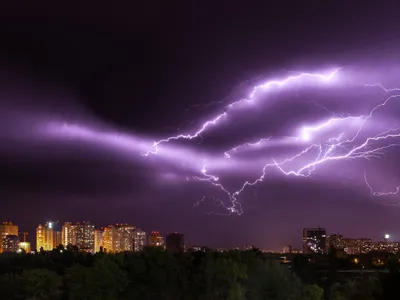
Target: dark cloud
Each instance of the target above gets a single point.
(136, 69)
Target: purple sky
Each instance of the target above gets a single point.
(81, 103)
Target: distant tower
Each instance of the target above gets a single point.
(156, 239)
(24, 235)
(44, 237)
(84, 236)
(7, 228)
(139, 240)
(175, 242)
(10, 243)
(56, 228)
(123, 237)
(108, 239)
(119, 238)
(26, 246)
(68, 234)
(98, 240)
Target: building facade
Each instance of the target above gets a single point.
(44, 238)
(156, 240)
(68, 234)
(84, 236)
(55, 226)
(139, 240)
(80, 234)
(98, 240)
(7, 228)
(314, 240)
(175, 242)
(119, 238)
(350, 245)
(57, 240)
(10, 243)
(124, 235)
(336, 241)
(108, 238)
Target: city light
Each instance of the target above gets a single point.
(126, 238)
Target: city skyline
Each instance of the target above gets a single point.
(144, 238)
(86, 237)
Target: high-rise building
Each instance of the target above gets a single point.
(55, 226)
(175, 242)
(314, 240)
(358, 246)
(98, 240)
(287, 249)
(44, 238)
(57, 239)
(123, 240)
(68, 234)
(139, 240)
(80, 234)
(84, 235)
(119, 238)
(156, 239)
(7, 228)
(10, 243)
(108, 238)
(336, 241)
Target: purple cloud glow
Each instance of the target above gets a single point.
(325, 126)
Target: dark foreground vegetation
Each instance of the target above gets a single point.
(159, 275)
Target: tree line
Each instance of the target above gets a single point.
(160, 275)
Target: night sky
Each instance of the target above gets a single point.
(86, 90)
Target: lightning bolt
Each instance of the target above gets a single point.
(265, 86)
(379, 194)
(336, 148)
(375, 194)
(386, 90)
(234, 149)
